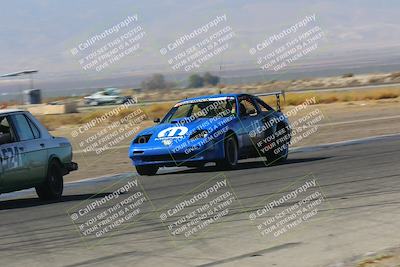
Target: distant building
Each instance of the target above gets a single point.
(32, 96)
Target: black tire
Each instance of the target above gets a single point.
(231, 154)
(282, 154)
(147, 170)
(52, 188)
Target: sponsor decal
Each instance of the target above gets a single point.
(173, 132)
(204, 100)
(167, 142)
(11, 158)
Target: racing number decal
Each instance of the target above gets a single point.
(11, 158)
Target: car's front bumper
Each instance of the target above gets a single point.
(171, 156)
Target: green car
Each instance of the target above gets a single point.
(32, 158)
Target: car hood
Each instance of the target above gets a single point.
(184, 130)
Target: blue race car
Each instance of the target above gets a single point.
(217, 128)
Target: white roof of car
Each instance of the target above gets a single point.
(4, 111)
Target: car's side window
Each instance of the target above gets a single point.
(34, 128)
(22, 127)
(247, 107)
(263, 106)
(6, 132)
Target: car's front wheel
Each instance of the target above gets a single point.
(52, 188)
(230, 160)
(147, 170)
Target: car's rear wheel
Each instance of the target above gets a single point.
(230, 160)
(52, 188)
(147, 170)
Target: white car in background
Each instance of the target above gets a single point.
(107, 96)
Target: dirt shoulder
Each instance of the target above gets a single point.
(385, 258)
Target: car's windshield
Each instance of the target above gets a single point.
(202, 109)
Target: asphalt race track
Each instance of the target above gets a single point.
(360, 182)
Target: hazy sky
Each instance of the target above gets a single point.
(38, 34)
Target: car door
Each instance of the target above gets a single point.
(107, 98)
(32, 146)
(13, 170)
(250, 118)
(269, 120)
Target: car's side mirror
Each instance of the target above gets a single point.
(157, 120)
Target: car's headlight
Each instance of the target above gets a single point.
(142, 139)
(198, 134)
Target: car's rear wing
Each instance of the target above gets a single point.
(277, 94)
